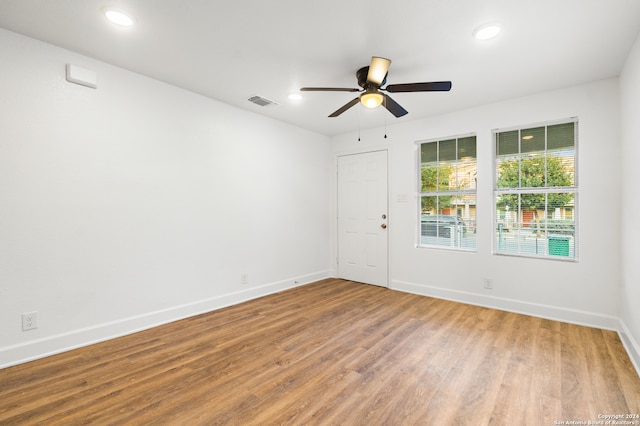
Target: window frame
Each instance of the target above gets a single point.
(575, 189)
(420, 193)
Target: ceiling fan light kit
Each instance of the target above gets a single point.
(371, 99)
(378, 70)
(371, 79)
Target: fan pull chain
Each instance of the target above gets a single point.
(359, 124)
(385, 126)
(385, 118)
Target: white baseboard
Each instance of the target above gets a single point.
(572, 316)
(631, 345)
(51, 345)
(40, 348)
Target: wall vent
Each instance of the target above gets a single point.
(259, 100)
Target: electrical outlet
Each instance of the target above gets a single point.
(488, 283)
(244, 279)
(29, 321)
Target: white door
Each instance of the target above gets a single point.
(363, 218)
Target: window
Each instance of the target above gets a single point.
(447, 170)
(536, 191)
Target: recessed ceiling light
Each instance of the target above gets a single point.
(295, 96)
(118, 17)
(486, 31)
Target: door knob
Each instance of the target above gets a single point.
(383, 226)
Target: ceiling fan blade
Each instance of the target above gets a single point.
(393, 107)
(378, 70)
(328, 89)
(345, 107)
(434, 86)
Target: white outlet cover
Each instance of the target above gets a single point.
(29, 321)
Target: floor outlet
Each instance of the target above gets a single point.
(29, 321)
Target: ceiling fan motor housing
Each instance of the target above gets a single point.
(362, 74)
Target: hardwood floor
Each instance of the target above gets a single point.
(333, 352)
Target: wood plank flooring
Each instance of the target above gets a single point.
(333, 353)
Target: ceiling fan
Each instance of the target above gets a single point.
(371, 79)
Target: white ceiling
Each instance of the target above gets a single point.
(232, 50)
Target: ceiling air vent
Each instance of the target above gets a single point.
(259, 100)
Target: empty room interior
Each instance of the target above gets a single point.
(296, 212)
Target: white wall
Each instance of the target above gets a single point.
(630, 107)
(585, 292)
(139, 203)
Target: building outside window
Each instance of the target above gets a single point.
(536, 191)
(447, 182)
